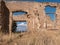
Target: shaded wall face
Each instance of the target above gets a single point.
(5, 17)
(0, 15)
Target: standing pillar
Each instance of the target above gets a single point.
(0, 15)
(10, 24)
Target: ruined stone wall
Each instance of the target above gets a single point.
(58, 17)
(35, 10)
(35, 17)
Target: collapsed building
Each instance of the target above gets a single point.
(35, 15)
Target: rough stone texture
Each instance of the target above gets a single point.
(35, 14)
(35, 11)
(4, 17)
(38, 23)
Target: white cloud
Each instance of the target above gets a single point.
(22, 24)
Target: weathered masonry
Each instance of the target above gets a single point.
(35, 15)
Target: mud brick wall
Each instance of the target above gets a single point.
(35, 17)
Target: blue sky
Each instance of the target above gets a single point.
(18, 13)
(21, 26)
(42, 0)
(47, 0)
(37, 0)
(51, 12)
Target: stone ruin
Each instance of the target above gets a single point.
(35, 16)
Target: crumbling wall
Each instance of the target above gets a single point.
(58, 17)
(4, 17)
(35, 17)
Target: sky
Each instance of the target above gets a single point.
(50, 11)
(21, 26)
(18, 13)
(37, 0)
(47, 0)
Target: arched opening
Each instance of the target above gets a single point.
(50, 12)
(16, 13)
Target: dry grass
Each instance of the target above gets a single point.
(36, 38)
